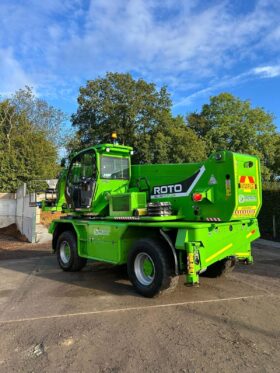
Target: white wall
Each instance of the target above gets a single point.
(14, 208)
(7, 209)
(25, 215)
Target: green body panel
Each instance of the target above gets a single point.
(226, 196)
(124, 204)
(201, 243)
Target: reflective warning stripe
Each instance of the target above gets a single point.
(251, 233)
(218, 253)
(245, 212)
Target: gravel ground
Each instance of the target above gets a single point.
(92, 321)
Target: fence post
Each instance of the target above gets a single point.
(274, 226)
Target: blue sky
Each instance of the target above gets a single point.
(197, 48)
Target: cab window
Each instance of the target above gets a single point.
(114, 168)
(83, 166)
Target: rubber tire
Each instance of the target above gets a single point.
(76, 263)
(165, 280)
(221, 268)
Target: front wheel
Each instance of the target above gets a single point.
(150, 268)
(67, 254)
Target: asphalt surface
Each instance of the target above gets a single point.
(93, 321)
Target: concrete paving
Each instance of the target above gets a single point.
(268, 243)
(52, 321)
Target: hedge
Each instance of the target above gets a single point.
(270, 208)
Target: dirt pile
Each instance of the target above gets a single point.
(13, 232)
(14, 245)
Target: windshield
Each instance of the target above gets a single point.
(114, 168)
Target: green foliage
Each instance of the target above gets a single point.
(43, 116)
(275, 167)
(270, 212)
(271, 186)
(176, 143)
(230, 123)
(25, 152)
(140, 114)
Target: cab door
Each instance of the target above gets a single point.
(81, 180)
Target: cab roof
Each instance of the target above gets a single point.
(103, 148)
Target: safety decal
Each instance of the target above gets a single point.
(212, 180)
(213, 219)
(251, 233)
(102, 231)
(218, 252)
(246, 199)
(245, 211)
(190, 263)
(247, 183)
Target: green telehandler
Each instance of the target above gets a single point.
(160, 220)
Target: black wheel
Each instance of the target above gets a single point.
(67, 255)
(150, 269)
(221, 268)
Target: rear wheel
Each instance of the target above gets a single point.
(150, 268)
(67, 255)
(221, 268)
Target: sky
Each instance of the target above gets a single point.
(197, 48)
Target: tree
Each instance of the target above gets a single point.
(276, 164)
(176, 143)
(139, 113)
(230, 123)
(42, 115)
(25, 152)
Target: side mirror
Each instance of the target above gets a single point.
(63, 162)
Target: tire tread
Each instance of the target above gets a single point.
(158, 248)
(77, 262)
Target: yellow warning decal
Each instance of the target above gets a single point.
(245, 211)
(218, 252)
(247, 183)
(251, 233)
(190, 263)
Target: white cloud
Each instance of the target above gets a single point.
(267, 71)
(228, 82)
(12, 75)
(183, 44)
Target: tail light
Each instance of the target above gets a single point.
(197, 197)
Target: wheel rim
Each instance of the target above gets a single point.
(144, 269)
(65, 252)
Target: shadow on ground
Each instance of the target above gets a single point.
(99, 278)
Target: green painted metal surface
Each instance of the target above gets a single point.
(229, 184)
